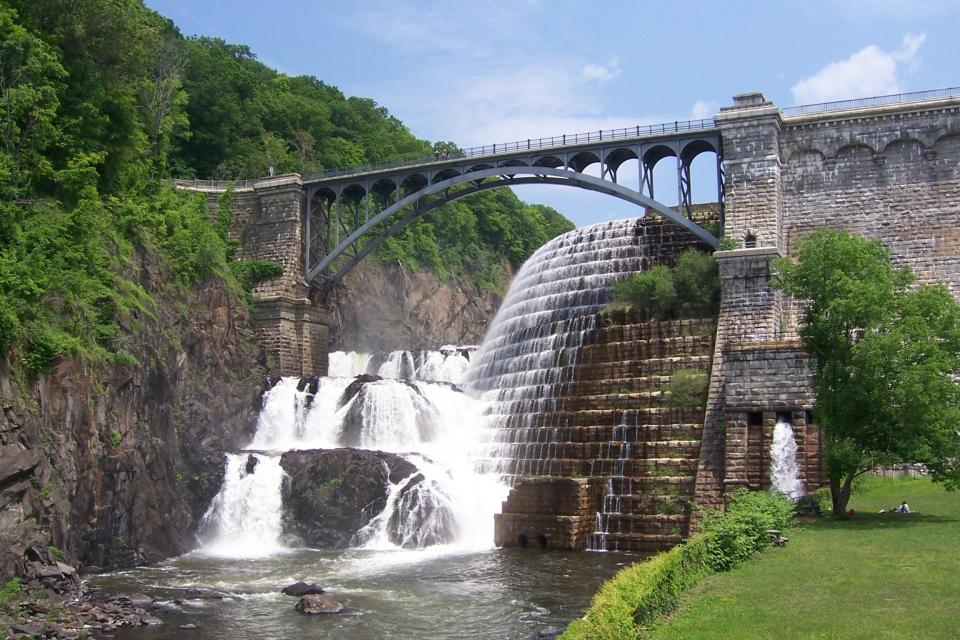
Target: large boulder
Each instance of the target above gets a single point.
(329, 494)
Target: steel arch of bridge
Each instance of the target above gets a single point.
(340, 215)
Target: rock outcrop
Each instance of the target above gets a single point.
(114, 465)
(330, 494)
(386, 307)
(316, 604)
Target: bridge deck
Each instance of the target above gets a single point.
(519, 148)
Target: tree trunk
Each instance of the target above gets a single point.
(840, 494)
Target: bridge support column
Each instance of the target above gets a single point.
(268, 223)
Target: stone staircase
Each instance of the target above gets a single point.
(626, 458)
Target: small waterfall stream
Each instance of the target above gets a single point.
(244, 518)
(784, 470)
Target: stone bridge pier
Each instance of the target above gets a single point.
(268, 224)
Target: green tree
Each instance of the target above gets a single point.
(30, 74)
(887, 359)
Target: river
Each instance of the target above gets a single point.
(433, 593)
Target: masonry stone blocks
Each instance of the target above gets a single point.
(890, 172)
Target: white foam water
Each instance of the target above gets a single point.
(534, 343)
(244, 519)
(449, 363)
(431, 424)
(784, 470)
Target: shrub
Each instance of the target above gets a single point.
(659, 292)
(652, 292)
(633, 598)
(9, 590)
(697, 278)
(742, 529)
(251, 272)
(630, 602)
(688, 387)
(728, 243)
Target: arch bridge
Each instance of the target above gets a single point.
(350, 212)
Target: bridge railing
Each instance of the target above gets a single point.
(875, 101)
(215, 185)
(600, 135)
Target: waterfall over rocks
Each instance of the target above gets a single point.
(429, 425)
(244, 518)
(447, 364)
(567, 407)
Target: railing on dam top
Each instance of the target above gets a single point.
(677, 126)
(876, 101)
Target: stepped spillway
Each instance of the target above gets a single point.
(579, 422)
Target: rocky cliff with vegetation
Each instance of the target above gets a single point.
(115, 463)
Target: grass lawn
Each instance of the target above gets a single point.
(873, 576)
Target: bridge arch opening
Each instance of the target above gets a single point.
(413, 205)
(662, 182)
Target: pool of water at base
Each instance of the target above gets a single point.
(434, 593)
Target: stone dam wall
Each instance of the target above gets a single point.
(620, 450)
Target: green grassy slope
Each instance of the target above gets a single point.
(873, 576)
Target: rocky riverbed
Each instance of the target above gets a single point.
(51, 601)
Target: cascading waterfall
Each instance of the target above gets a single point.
(244, 518)
(522, 372)
(784, 470)
(612, 502)
(348, 364)
(431, 424)
(447, 364)
(528, 357)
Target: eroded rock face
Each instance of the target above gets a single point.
(330, 494)
(115, 465)
(411, 309)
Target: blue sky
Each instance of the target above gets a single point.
(494, 71)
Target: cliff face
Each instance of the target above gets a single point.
(385, 307)
(115, 465)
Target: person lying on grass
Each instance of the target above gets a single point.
(903, 508)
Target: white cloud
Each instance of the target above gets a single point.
(600, 72)
(703, 109)
(488, 76)
(502, 104)
(868, 72)
(438, 28)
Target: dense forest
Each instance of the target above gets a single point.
(103, 101)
